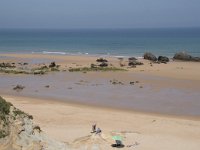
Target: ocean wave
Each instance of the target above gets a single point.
(59, 53)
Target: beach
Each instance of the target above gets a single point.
(155, 105)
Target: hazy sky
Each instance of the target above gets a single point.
(99, 13)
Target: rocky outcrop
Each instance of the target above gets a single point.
(19, 88)
(17, 131)
(103, 64)
(134, 63)
(150, 56)
(185, 57)
(132, 59)
(101, 60)
(163, 59)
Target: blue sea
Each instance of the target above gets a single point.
(114, 42)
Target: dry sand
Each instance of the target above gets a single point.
(68, 122)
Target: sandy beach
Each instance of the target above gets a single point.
(160, 111)
(68, 122)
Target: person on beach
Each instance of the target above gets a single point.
(98, 131)
(94, 128)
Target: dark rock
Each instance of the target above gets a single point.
(132, 82)
(134, 63)
(36, 72)
(196, 59)
(101, 60)
(163, 59)
(150, 56)
(103, 64)
(47, 86)
(115, 82)
(53, 64)
(18, 88)
(185, 57)
(182, 56)
(6, 65)
(132, 59)
(93, 66)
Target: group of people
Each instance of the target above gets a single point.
(94, 130)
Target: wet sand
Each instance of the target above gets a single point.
(171, 88)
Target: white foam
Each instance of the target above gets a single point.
(60, 53)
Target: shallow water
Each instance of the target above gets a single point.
(81, 88)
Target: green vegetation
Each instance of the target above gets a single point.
(6, 115)
(4, 112)
(87, 69)
(40, 70)
(18, 112)
(4, 108)
(3, 134)
(14, 71)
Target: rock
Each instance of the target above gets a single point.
(25, 63)
(103, 64)
(185, 57)
(196, 59)
(93, 66)
(182, 56)
(47, 86)
(18, 87)
(134, 63)
(163, 59)
(132, 59)
(53, 64)
(132, 83)
(150, 56)
(35, 72)
(6, 65)
(101, 60)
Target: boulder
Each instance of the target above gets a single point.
(53, 64)
(103, 64)
(150, 56)
(185, 57)
(18, 87)
(182, 56)
(101, 60)
(163, 59)
(134, 63)
(132, 59)
(196, 59)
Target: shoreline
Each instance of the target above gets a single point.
(166, 86)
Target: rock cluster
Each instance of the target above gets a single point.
(185, 57)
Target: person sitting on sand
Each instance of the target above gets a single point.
(94, 128)
(98, 131)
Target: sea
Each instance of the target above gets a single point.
(104, 42)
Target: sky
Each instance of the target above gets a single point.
(64, 14)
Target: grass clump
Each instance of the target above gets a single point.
(4, 108)
(4, 112)
(87, 69)
(18, 112)
(3, 134)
